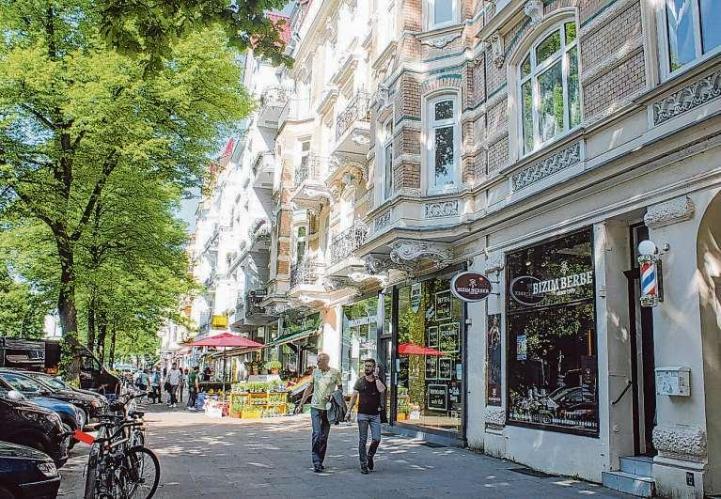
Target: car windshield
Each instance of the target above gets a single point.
(47, 382)
(54, 382)
(22, 383)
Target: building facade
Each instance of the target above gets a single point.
(537, 143)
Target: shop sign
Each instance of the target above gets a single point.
(415, 297)
(438, 397)
(470, 286)
(529, 290)
(219, 321)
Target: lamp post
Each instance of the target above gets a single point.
(648, 272)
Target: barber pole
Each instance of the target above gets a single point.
(649, 281)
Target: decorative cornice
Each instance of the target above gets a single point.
(673, 211)
(546, 167)
(441, 41)
(411, 252)
(534, 10)
(441, 209)
(686, 443)
(494, 415)
(692, 96)
(376, 264)
(382, 221)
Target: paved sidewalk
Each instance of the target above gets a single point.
(232, 458)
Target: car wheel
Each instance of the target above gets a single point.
(6, 494)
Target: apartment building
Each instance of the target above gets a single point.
(537, 143)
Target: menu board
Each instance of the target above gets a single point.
(433, 336)
(445, 368)
(448, 337)
(443, 305)
(431, 367)
(438, 397)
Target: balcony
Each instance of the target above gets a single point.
(263, 170)
(295, 110)
(310, 189)
(348, 241)
(306, 283)
(352, 126)
(259, 235)
(272, 102)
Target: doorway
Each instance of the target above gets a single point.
(642, 354)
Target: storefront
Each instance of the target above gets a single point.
(359, 339)
(296, 343)
(552, 361)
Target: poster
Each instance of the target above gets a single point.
(521, 347)
(431, 367)
(445, 368)
(415, 297)
(433, 336)
(438, 397)
(448, 337)
(443, 305)
(493, 361)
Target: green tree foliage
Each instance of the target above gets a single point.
(22, 311)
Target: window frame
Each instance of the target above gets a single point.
(430, 15)
(298, 239)
(664, 53)
(388, 187)
(430, 125)
(537, 70)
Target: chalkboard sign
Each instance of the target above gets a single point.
(438, 397)
(445, 368)
(448, 337)
(431, 367)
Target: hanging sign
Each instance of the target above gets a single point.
(470, 286)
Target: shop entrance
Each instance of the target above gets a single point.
(642, 356)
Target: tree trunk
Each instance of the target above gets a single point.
(67, 310)
(111, 362)
(102, 333)
(91, 323)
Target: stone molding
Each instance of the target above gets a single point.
(410, 252)
(670, 212)
(691, 96)
(494, 415)
(546, 167)
(497, 49)
(687, 443)
(534, 10)
(441, 209)
(375, 265)
(382, 221)
(441, 41)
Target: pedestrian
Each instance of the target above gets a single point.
(183, 381)
(368, 390)
(193, 387)
(174, 377)
(155, 386)
(143, 381)
(325, 381)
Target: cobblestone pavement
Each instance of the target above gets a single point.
(232, 458)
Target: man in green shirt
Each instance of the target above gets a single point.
(325, 381)
(193, 379)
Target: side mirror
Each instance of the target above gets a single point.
(15, 396)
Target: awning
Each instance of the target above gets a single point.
(292, 337)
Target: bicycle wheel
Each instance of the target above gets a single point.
(91, 474)
(143, 473)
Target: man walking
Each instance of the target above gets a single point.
(325, 381)
(174, 377)
(155, 386)
(193, 387)
(368, 390)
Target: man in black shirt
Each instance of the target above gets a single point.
(368, 390)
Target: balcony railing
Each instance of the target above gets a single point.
(312, 168)
(348, 241)
(356, 110)
(306, 272)
(252, 302)
(274, 97)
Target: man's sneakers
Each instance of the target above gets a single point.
(318, 469)
(364, 469)
(370, 463)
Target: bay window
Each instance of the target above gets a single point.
(549, 90)
(442, 139)
(689, 30)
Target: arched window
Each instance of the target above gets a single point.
(442, 143)
(549, 90)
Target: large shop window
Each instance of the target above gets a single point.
(442, 143)
(430, 356)
(551, 343)
(360, 324)
(549, 90)
(691, 28)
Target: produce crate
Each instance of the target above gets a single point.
(252, 412)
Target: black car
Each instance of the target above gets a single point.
(93, 404)
(28, 424)
(27, 473)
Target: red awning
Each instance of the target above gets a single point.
(413, 349)
(227, 339)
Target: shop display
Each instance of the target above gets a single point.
(261, 399)
(550, 324)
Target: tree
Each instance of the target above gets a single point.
(22, 311)
(74, 112)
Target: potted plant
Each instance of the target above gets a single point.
(273, 366)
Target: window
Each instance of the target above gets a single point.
(549, 90)
(300, 243)
(441, 13)
(388, 159)
(386, 24)
(692, 30)
(442, 143)
(303, 171)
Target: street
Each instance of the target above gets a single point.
(207, 457)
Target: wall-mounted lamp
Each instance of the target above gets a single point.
(649, 274)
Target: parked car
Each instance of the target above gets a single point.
(26, 423)
(92, 404)
(27, 473)
(70, 414)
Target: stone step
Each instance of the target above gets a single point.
(637, 465)
(641, 486)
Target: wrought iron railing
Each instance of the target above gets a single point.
(348, 241)
(252, 302)
(307, 271)
(311, 167)
(356, 110)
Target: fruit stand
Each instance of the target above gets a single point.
(252, 400)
